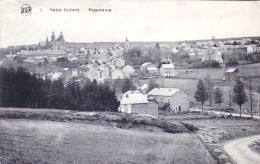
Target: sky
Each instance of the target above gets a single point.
(145, 20)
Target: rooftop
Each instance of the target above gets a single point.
(134, 97)
(231, 70)
(167, 65)
(163, 91)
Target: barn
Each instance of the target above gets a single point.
(175, 97)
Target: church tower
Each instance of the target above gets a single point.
(61, 38)
(52, 37)
(127, 43)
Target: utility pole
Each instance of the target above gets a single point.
(251, 97)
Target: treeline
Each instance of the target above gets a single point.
(19, 88)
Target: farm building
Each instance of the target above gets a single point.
(231, 74)
(177, 98)
(136, 102)
(168, 70)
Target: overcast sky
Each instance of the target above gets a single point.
(139, 21)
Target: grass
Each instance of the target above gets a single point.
(26, 141)
(213, 132)
(221, 129)
(215, 73)
(110, 119)
(255, 146)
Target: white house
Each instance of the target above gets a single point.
(192, 56)
(145, 65)
(117, 74)
(217, 56)
(177, 98)
(168, 70)
(128, 71)
(253, 49)
(136, 102)
(153, 71)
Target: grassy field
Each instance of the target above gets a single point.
(216, 74)
(188, 82)
(26, 141)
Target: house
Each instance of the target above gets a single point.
(55, 75)
(117, 74)
(168, 70)
(231, 73)
(136, 102)
(99, 73)
(217, 56)
(192, 56)
(144, 66)
(128, 71)
(253, 49)
(175, 97)
(153, 71)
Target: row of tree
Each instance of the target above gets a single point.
(206, 91)
(19, 88)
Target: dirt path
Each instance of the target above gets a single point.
(240, 151)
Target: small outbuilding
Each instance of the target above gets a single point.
(136, 102)
(231, 74)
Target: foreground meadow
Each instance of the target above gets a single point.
(27, 141)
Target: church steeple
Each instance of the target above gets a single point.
(52, 37)
(127, 43)
(61, 38)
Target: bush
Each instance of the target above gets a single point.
(206, 64)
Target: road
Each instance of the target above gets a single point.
(240, 152)
(226, 113)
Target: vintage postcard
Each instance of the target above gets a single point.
(120, 81)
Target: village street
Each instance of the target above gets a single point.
(240, 152)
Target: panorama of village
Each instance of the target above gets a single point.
(131, 102)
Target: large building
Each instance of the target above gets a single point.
(56, 44)
(176, 98)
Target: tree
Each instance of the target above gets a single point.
(152, 84)
(134, 56)
(201, 94)
(209, 85)
(218, 97)
(239, 94)
(127, 85)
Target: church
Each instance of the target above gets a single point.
(55, 44)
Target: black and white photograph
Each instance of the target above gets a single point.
(128, 81)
